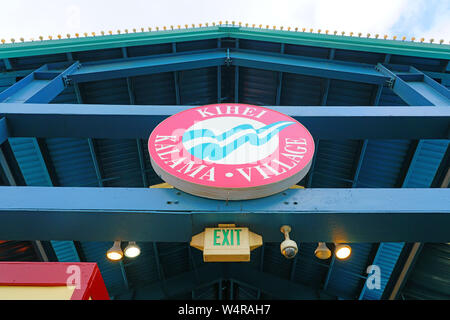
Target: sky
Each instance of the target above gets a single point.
(418, 18)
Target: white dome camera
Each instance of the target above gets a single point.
(288, 247)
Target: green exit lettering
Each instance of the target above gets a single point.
(226, 237)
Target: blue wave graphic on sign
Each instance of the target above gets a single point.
(204, 144)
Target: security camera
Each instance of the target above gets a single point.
(288, 247)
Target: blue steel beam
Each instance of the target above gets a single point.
(175, 78)
(4, 166)
(421, 91)
(176, 285)
(132, 96)
(65, 250)
(12, 182)
(313, 165)
(330, 270)
(95, 162)
(219, 84)
(307, 66)
(192, 265)
(388, 254)
(119, 68)
(231, 295)
(236, 77)
(159, 269)
(7, 64)
(293, 266)
(129, 80)
(100, 180)
(360, 161)
(376, 95)
(415, 87)
(123, 122)
(323, 102)
(271, 284)
(130, 88)
(219, 76)
(379, 89)
(354, 182)
(279, 88)
(144, 214)
(142, 163)
(40, 86)
(408, 264)
(128, 67)
(280, 81)
(177, 87)
(91, 143)
(261, 268)
(124, 275)
(236, 84)
(3, 131)
(238, 274)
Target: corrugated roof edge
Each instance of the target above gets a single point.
(399, 47)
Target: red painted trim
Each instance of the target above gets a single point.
(55, 274)
(97, 288)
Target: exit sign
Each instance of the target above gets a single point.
(226, 243)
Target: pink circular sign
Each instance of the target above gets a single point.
(231, 151)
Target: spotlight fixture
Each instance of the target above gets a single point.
(322, 252)
(132, 250)
(288, 247)
(342, 251)
(115, 253)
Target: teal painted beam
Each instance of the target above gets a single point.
(171, 62)
(40, 86)
(45, 47)
(136, 66)
(133, 122)
(144, 214)
(324, 68)
(416, 88)
(407, 48)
